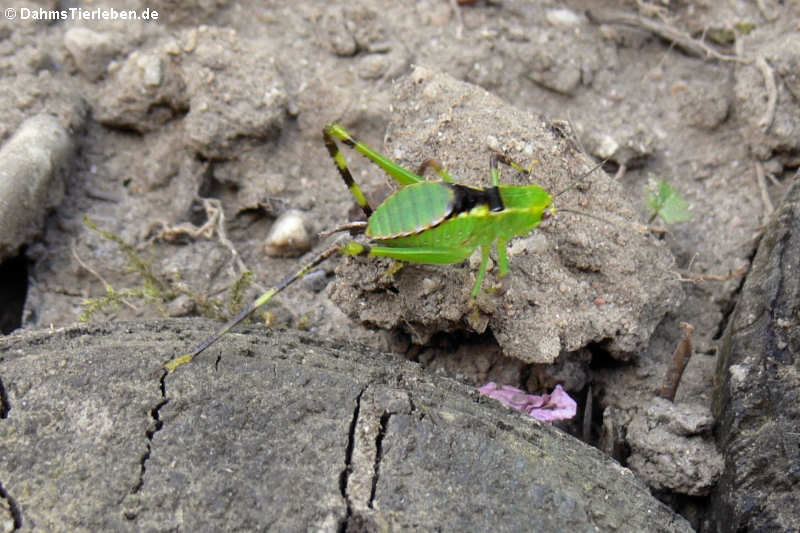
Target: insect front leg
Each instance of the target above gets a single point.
(497, 157)
(502, 266)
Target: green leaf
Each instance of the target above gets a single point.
(668, 204)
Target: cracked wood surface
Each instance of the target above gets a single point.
(757, 387)
(280, 431)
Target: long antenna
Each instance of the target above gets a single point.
(575, 184)
(264, 298)
(584, 213)
(580, 180)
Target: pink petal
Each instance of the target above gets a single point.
(548, 407)
(559, 407)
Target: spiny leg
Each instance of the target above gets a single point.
(344, 172)
(502, 265)
(428, 256)
(494, 159)
(502, 257)
(473, 314)
(353, 227)
(264, 298)
(439, 256)
(401, 175)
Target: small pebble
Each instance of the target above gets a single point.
(288, 236)
(91, 50)
(607, 147)
(430, 286)
(562, 17)
(180, 306)
(517, 247)
(152, 69)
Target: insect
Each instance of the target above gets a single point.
(429, 222)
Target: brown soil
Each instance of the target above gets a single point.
(227, 102)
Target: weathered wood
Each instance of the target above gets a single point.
(283, 432)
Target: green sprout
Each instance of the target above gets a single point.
(667, 204)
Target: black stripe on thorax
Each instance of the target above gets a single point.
(467, 198)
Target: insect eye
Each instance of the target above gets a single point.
(546, 214)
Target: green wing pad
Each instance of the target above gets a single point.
(410, 210)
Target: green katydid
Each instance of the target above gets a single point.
(429, 222)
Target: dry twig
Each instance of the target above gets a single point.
(620, 172)
(690, 46)
(215, 222)
(694, 277)
(762, 186)
(678, 363)
(587, 415)
(94, 273)
(454, 5)
(768, 12)
(772, 93)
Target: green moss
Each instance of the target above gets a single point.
(155, 290)
(236, 300)
(135, 262)
(304, 322)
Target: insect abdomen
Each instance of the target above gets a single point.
(455, 232)
(411, 210)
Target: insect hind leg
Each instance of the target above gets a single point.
(344, 171)
(401, 175)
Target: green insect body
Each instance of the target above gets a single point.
(423, 223)
(429, 222)
(442, 222)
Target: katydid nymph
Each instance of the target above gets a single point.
(428, 222)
